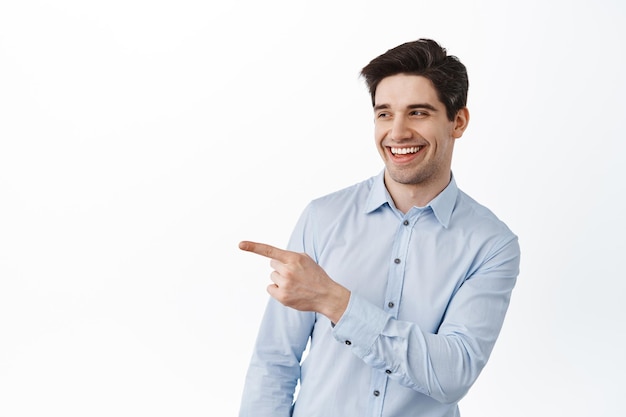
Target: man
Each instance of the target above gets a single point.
(400, 283)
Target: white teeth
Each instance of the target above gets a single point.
(404, 151)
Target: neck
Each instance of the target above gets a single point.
(407, 196)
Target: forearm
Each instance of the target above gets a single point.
(442, 365)
(434, 365)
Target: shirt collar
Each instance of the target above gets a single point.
(378, 194)
(442, 205)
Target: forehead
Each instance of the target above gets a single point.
(406, 89)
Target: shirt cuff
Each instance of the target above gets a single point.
(360, 326)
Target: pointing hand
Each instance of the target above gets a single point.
(300, 283)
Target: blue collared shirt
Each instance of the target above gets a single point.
(429, 292)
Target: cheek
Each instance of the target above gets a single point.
(378, 142)
(445, 145)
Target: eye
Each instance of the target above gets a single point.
(418, 113)
(382, 115)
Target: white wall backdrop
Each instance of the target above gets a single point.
(141, 140)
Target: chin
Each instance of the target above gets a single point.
(407, 179)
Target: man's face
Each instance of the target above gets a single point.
(413, 134)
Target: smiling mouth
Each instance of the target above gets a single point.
(405, 151)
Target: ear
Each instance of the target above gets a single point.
(460, 123)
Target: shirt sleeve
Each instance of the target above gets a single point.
(443, 365)
(274, 369)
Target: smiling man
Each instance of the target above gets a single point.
(399, 283)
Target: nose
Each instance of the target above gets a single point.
(400, 129)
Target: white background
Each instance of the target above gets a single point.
(141, 140)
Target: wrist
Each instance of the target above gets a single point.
(338, 303)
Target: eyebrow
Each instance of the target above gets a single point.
(410, 106)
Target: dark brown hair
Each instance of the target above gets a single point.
(428, 59)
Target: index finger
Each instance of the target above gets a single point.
(266, 250)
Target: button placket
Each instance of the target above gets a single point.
(395, 280)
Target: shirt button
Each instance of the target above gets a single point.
(390, 304)
(397, 260)
(348, 342)
(376, 393)
(387, 371)
(406, 222)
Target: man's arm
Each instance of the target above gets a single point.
(444, 364)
